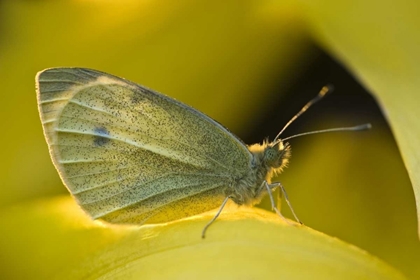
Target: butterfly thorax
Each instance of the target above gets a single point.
(268, 159)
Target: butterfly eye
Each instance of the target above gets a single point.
(271, 154)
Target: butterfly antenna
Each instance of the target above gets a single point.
(325, 89)
(365, 126)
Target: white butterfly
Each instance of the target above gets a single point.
(132, 155)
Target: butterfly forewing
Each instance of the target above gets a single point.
(131, 155)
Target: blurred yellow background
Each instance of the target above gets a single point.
(235, 61)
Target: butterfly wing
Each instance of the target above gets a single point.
(132, 155)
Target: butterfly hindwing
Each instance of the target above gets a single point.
(131, 155)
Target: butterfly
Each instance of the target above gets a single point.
(130, 155)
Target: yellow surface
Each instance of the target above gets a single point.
(243, 244)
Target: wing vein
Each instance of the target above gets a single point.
(53, 100)
(146, 183)
(61, 82)
(84, 105)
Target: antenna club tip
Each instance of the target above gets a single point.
(327, 89)
(367, 126)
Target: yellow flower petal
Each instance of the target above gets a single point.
(54, 238)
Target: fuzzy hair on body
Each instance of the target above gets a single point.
(268, 159)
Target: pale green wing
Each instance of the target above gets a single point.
(131, 155)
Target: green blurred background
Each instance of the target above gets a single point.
(250, 65)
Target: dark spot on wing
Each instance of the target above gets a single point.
(101, 136)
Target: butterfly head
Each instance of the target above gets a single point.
(271, 156)
(276, 154)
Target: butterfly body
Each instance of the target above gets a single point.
(131, 155)
(268, 159)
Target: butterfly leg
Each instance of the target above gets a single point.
(273, 205)
(203, 234)
(279, 196)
